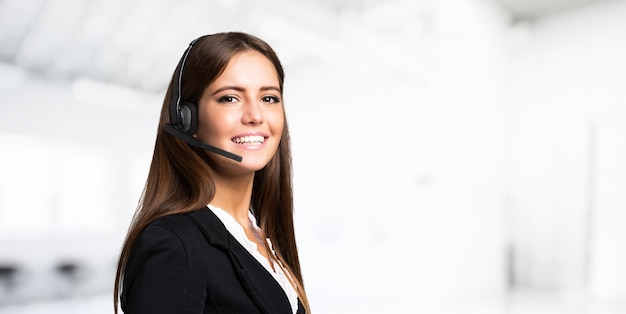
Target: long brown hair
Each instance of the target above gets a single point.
(179, 179)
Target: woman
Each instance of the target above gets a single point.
(213, 232)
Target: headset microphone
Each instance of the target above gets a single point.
(183, 117)
(197, 143)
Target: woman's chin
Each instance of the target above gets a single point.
(253, 165)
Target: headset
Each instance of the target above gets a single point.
(184, 114)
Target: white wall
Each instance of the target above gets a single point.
(70, 176)
(399, 179)
(567, 169)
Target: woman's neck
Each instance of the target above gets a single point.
(233, 196)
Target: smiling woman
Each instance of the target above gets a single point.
(213, 232)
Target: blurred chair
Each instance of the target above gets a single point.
(69, 275)
(8, 281)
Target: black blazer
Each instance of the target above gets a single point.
(190, 263)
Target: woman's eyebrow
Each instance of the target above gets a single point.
(241, 89)
(223, 88)
(274, 88)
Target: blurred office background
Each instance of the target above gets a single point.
(450, 156)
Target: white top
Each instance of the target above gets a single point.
(236, 230)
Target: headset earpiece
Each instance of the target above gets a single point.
(183, 114)
(188, 118)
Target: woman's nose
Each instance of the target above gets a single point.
(253, 113)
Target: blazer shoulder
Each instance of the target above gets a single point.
(168, 233)
(176, 223)
(199, 225)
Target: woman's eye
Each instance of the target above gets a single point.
(270, 99)
(227, 99)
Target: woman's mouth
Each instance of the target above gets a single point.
(249, 140)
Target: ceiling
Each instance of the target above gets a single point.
(538, 9)
(136, 43)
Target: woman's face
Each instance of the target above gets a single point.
(242, 112)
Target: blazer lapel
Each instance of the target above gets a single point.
(263, 289)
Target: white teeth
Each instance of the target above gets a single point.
(253, 139)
